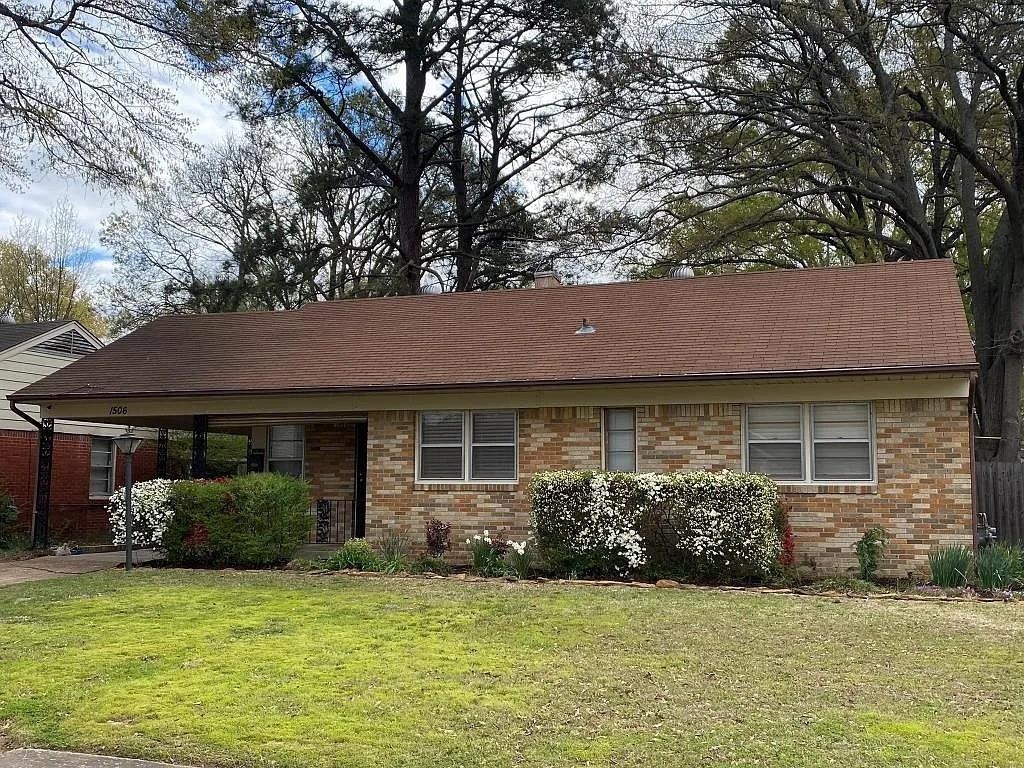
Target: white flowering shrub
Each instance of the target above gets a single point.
(151, 512)
(702, 524)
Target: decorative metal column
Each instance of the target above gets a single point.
(200, 428)
(161, 452)
(44, 471)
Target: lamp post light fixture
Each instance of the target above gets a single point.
(128, 444)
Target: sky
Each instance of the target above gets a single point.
(211, 122)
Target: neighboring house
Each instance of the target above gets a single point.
(849, 386)
(84, 471)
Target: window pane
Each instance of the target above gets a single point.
(621, 461)
(293, 468)
(440, 463)
(773, 422)
(494, 427)
(99, 482)
(619, 418)
(841, 422)
(842, 461)
(281, 449)
(101, 452)
(286, 432)
(782, 461)
(440, 427)
(621, 441)
(494, 462)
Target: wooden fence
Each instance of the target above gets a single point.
(1000, 494)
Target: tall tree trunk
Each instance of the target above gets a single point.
(410, 173)
(1013, 342)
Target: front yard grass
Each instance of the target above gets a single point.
(294, 670)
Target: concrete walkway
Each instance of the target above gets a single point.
(45, 758)
(58, 566)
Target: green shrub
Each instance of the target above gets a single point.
(950, 565)
(394, 552)
(520, 558)
(253, 521)
(999, 567)
(706, 525)
(8, 521)
(431, 564)
(354, 555)
(487, 554)
(869, 550)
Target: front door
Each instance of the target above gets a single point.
(359, 523)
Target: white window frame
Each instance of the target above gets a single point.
(807, 442)
(604, 437)
(112, 483)
(269, 458)
(467, 448)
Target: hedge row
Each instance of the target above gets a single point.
(253, 521)
(702, 525)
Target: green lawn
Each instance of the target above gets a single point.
(299, 670)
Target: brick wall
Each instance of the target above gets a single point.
(330, 460)
(923, 494)
(548, 438)
(73, 515)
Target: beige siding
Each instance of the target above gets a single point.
(21, 369)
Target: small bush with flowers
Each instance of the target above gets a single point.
(487, 554)
(703, 525)
(151, 512)
(520, 558)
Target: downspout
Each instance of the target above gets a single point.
(25, 416)
(971, 395)
(40, 530)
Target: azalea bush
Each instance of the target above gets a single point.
(151, 513)
(702, 524)
(253, 521)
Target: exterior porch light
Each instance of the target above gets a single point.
(128, 444)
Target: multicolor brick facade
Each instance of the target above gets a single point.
(74, 516)
(922, 493)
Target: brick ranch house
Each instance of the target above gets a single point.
(849, 386)
(83, 462)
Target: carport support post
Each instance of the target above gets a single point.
(200, 427)
(44, 471)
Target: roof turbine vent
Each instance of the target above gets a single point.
(586, 328)
(431, 289)
(681, 270)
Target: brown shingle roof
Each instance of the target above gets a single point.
(885, 317)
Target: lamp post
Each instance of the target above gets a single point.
(128, 444)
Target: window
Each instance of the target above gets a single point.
(842, 442)
(101, 466)
(828, 442)
(286, 449)
(620, 439)
(441, 435)
(494, 445)
(775, 441)
(490, 437)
